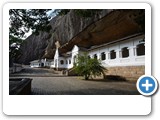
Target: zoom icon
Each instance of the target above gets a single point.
(147, 85)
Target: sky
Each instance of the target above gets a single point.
(30, 32)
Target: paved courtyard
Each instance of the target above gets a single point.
(47, 82)
(77, 86)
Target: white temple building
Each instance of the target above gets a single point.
(129, 51)
(41, 63)
(124, 57)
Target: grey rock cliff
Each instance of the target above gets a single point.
(71, 29)
(64, 28)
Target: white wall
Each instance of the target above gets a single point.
(55, 63)
(34, 65)
(75, 52)
(47, 63)
(65, 65)
(132, 60)
(69, 65)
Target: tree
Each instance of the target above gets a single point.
(14, 48)
(86, 13)
(87, 67)
(21, 22)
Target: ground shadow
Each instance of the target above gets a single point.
(115, 78)
(110, 78)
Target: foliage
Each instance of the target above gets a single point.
(79, 12)
(87, 67)
(25, 20)
(22, 20)
(61, 11)
(14, 47)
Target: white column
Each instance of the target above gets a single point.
(120, 53)
(45, 62)
(107, 55)
(132, 51)
(117, 53)
(98, 56)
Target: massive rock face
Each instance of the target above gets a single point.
(34, 47)
(70, 29)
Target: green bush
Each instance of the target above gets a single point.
(87, 67)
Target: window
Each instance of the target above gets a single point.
(140, 49)
(125, 52)
(95, 56)
(62, 62)
(103, 56)
(66, 61)
(69, 61)
(112, 54)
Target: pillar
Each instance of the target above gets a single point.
(117, 53)
(132, 51)
(98, 56)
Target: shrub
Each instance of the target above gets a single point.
(87, 67)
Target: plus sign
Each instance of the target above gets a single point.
(147, 85)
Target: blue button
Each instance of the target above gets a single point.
(147, 85)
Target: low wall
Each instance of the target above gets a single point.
(20, 86)
(71, 72)
(128, 72)
(15, 68)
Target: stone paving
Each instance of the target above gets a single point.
(77, 86)
(46, 82)
(27, 71)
